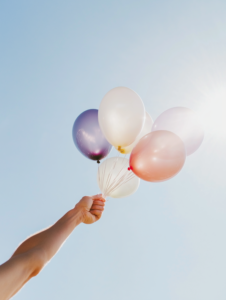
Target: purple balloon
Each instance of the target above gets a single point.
(88, 137)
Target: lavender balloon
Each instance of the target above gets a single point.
(88, 137)
(185, 124)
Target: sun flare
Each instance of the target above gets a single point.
(213, 113)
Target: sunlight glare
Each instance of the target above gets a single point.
(213, 113)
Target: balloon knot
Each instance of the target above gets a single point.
(98, 162)
(120, 149)
(129, 169)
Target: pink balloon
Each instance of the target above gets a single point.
(184, 123)
(158, 156)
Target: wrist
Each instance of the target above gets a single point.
(79, 214)
(76, 215)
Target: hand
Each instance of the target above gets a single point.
(91, 208)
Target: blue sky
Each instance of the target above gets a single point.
(59, 58)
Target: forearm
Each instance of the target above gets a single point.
(17, 271)
(50, 240)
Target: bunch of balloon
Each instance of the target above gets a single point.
(121, 121)
(158, 150)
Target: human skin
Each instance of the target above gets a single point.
(36, 251)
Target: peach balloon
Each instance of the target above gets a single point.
(158, 156)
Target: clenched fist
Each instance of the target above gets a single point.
(91, 208)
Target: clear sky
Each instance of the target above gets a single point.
(59, 58)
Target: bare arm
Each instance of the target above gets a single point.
(32, 255)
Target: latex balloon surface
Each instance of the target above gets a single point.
(115, 180)
(146, 129)
(184, 123)
(88, 137)
(121, 116)
(158, 156)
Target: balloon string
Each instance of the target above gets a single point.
(125, 180)
(110, 174)
(108, 185)
(116, 177)
(102, 185)
(108, 182)
(122, 180)
(104, 179)
(99, 176)
(108, 179)
(120, 184)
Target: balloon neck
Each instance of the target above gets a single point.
(130, 168)
(120, 149)
(98, 161)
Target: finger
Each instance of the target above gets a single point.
(97, 207)
(96, 197)
(96, 212)
(102, 199)
(98, 202)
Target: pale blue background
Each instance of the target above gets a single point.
(59, 58)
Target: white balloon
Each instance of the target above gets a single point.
(185, 123)
(146, 129)
(121, 116)
(115, 180)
